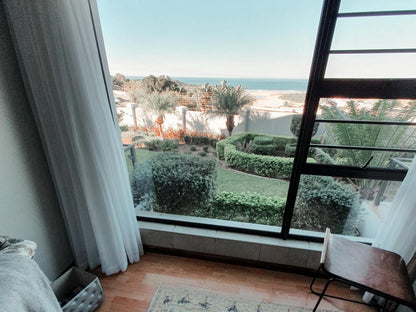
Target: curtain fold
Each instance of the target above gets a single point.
(57, 51)
(398, 231)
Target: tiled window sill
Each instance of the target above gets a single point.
(295, 253)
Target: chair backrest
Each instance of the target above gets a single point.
(325, 246)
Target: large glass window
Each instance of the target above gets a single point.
(210, 101)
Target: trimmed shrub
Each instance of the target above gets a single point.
(193, 148)
(199, 139)
(263, 140)
(137, 138)
(266, 166)
(204, 140)
(166, 145)
(142, 187)
(187, 139)
(251, 207)
(243, 138)
(290, 149)
(324, 202)
(264, 145)
(183, 184)
(296, 122)
(205, 149)
(202, 153)
(124, 128)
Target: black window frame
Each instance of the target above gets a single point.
(320, 87)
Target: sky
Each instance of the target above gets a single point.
(249, 38)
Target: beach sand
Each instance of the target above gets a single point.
(278, 100)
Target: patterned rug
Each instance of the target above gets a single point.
(172, 299)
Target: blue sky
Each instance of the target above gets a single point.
(244, 38)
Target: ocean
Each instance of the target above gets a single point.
(247, 83)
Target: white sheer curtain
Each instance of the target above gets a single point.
(60, 63)
(398, 232)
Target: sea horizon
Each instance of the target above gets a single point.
(289, 84)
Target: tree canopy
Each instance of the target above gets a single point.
(228, 101)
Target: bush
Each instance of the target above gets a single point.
(243, 207)
(266, 166)
(137, 138)
(204, 140)
(290, 149)
(187, 139)
(199, 139)
(193, 148)
(324, 202)
(205, 149)
(124, 128)
(243, 138)
(296, 122)
(142, 187)
(278, 142)
(183, 183)
(166, 145)
(202, 153)
(263, 140)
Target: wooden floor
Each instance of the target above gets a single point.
(133, 289)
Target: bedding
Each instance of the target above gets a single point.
(23, 285)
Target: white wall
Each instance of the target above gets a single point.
(28, 203)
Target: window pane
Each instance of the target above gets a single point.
(354, 207)
(364, 134)
(381, 32)
(375, 5)
(394, 65)
(178, 53)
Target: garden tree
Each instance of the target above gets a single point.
(228, 101)
(159, 84)
(160, 104)
(295, 125)
(371, 135)
(118, 81)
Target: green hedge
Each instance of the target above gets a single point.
(183, 183)
(324, 202)
(142, 187)
(165, 145)
(266, 166)
(290, 149)
(279, 142)
(199, 139)
(243, 207)
(243, 137)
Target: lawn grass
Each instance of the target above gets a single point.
(244, 183)
(232, 181)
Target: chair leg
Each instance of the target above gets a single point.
(322, 294)
(313, 281)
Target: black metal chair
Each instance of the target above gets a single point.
(372, 269)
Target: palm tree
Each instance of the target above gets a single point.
(370, 135)
(160, 104)
(228, 101)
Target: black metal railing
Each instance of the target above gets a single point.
(132, 149)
